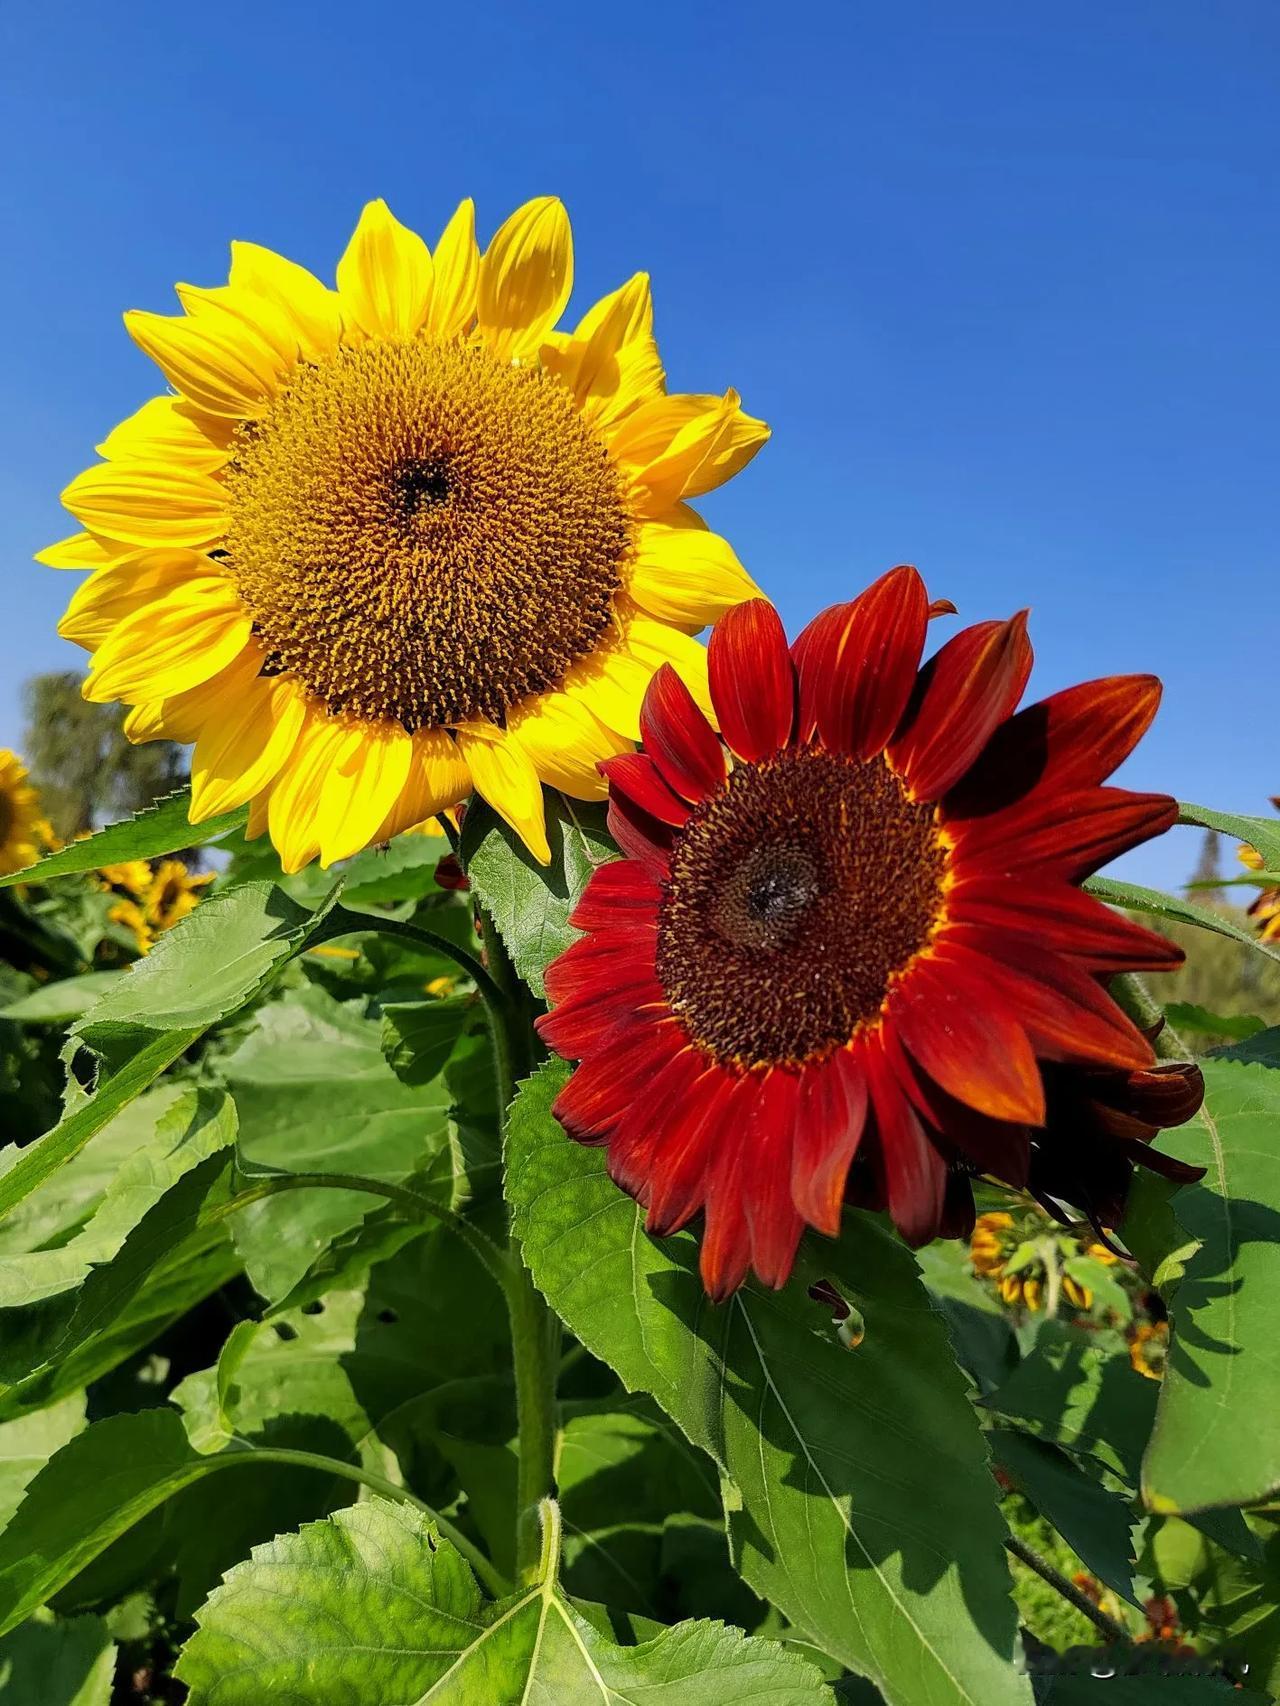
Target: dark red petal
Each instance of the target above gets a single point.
(1064, 919)
(772, 1221)
(829, 1127)
(690, 1144)
(968, 1039)
(1140, 1104)
(726, 1240)
(679, 738)
(1067, 1013)
(1180, 1172)
(593, 964)
(1072, 740)
(637, 776)
(959, 1216)
(620, 892)
(640, 835)
(992, 1146)
(1072, 834)
(915, 1173)
(966, 691)
(645, 1132)
(603, 1088)
(582, 1025)
(753, 684)
(857, 664)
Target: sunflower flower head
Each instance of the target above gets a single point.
(847, 931)
(402, 539)
(152, 899)
(24, 831)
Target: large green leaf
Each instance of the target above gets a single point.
(1095, 1523)
(530, 903)
(28, 1442)
(1133, 898)
(56, 1003)
(1103, 1687)
(419, 1035)
(1217, 1432)
(316, 1095)
(288, 1625)
(859, 1495)
(162, 828)
(1261, 833)
(69, 1663)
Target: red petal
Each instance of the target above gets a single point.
(969, 1040)
(966, 691)
(1064, 919)
(915, 1173)
(1067, 1013)
(1072, 740)
(640, 835)
(992, 1146)
(620, 892)
(959, 1215)
(603, 1088)
(772, 1221)
(637, 776)
(644, 1133)
(582, 1025)
(726, 1240)
(1071, 833)
(593, 964)
(690, 1143)
(857, 664)
(679, 738)
(833, 1114)
(753, 685)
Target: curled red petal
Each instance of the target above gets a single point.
(857, 664)
(965, 692)
(829, 1127)
(640, 835)
(679, 738)
(637, 776)
(753, 683)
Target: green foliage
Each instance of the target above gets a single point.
(156, 829)
(68, 1663)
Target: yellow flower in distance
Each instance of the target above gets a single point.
(401, 540)
(153, 900)
(24, 832)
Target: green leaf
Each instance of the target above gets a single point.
(69, 1663)
(418, 1036)
(403, 870)
(287, 1625)
(1132, 898)
(1186, 1016)
(1106, 1688)
(530, 903)
(858, 1489)
(315, 1094)
(1260, 833)
(56, 1003)
(28, 1442)
(1096, 1524)
(1217, 1431)
(162, 828)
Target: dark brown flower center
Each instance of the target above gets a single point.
(796, 895)
(424, 533)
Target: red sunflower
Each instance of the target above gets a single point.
(846, 933)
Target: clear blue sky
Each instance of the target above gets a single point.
(1003, 278)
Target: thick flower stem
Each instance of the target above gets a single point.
(1132, 994)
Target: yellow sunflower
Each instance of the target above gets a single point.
(152, 899)
(400, 540)
(24, 832)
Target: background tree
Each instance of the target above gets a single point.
(88, 773)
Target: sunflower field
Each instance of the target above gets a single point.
(600, 1152)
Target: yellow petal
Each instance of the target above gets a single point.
(182, 716)
(611, 683)
(145, 722)
(526, 277)
(457, 270)
(252, 730)
(611, 362)
(313, 310)
(566, 741)
(686, 575)
(677, 447)
(438, 778)
(244, 315)
(294, 803)
(503, 773)
(177, 642)
(149, 503)
(365, 782)
(215, 361)
(384, 277)
(652, 644)
(131, 584)
(257, 824)
(82, 551)
(161, 431)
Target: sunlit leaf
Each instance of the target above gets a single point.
(161, 828)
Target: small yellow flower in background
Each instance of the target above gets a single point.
(1076, 1294)
(153, 900)
(404, 539)
(173, 893)
(1265, 910)
(133, 875)
(441, 986)
(990, 1243)
(24, 832)
(1149, 1348)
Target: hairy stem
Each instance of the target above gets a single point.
(1070, 1592)
(1132, 994)
(341, 922)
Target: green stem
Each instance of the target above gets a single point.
(341, 922)
(492, 1578)
(1070, 1592)
(1132, 994)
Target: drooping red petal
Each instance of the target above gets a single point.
(690, 1143)
(1140, 1104)
(998, 1147)
(966, 691)
(968, 1039)
(637, 776)
(621, 892)
(1067, 1013)
(1072, 834)
(603, 1088)
(679, 738)
(640, 835)
(645, 1132)
(1069, 741)
(576, 1028)
(1155, 1161)
(829, 1127)
(1064, 919)
(726, 1239)
(772, 1221)
(753, 683)
(959, 1216)
(915, 1173)
(857, 664)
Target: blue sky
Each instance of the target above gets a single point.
(1004, 279)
